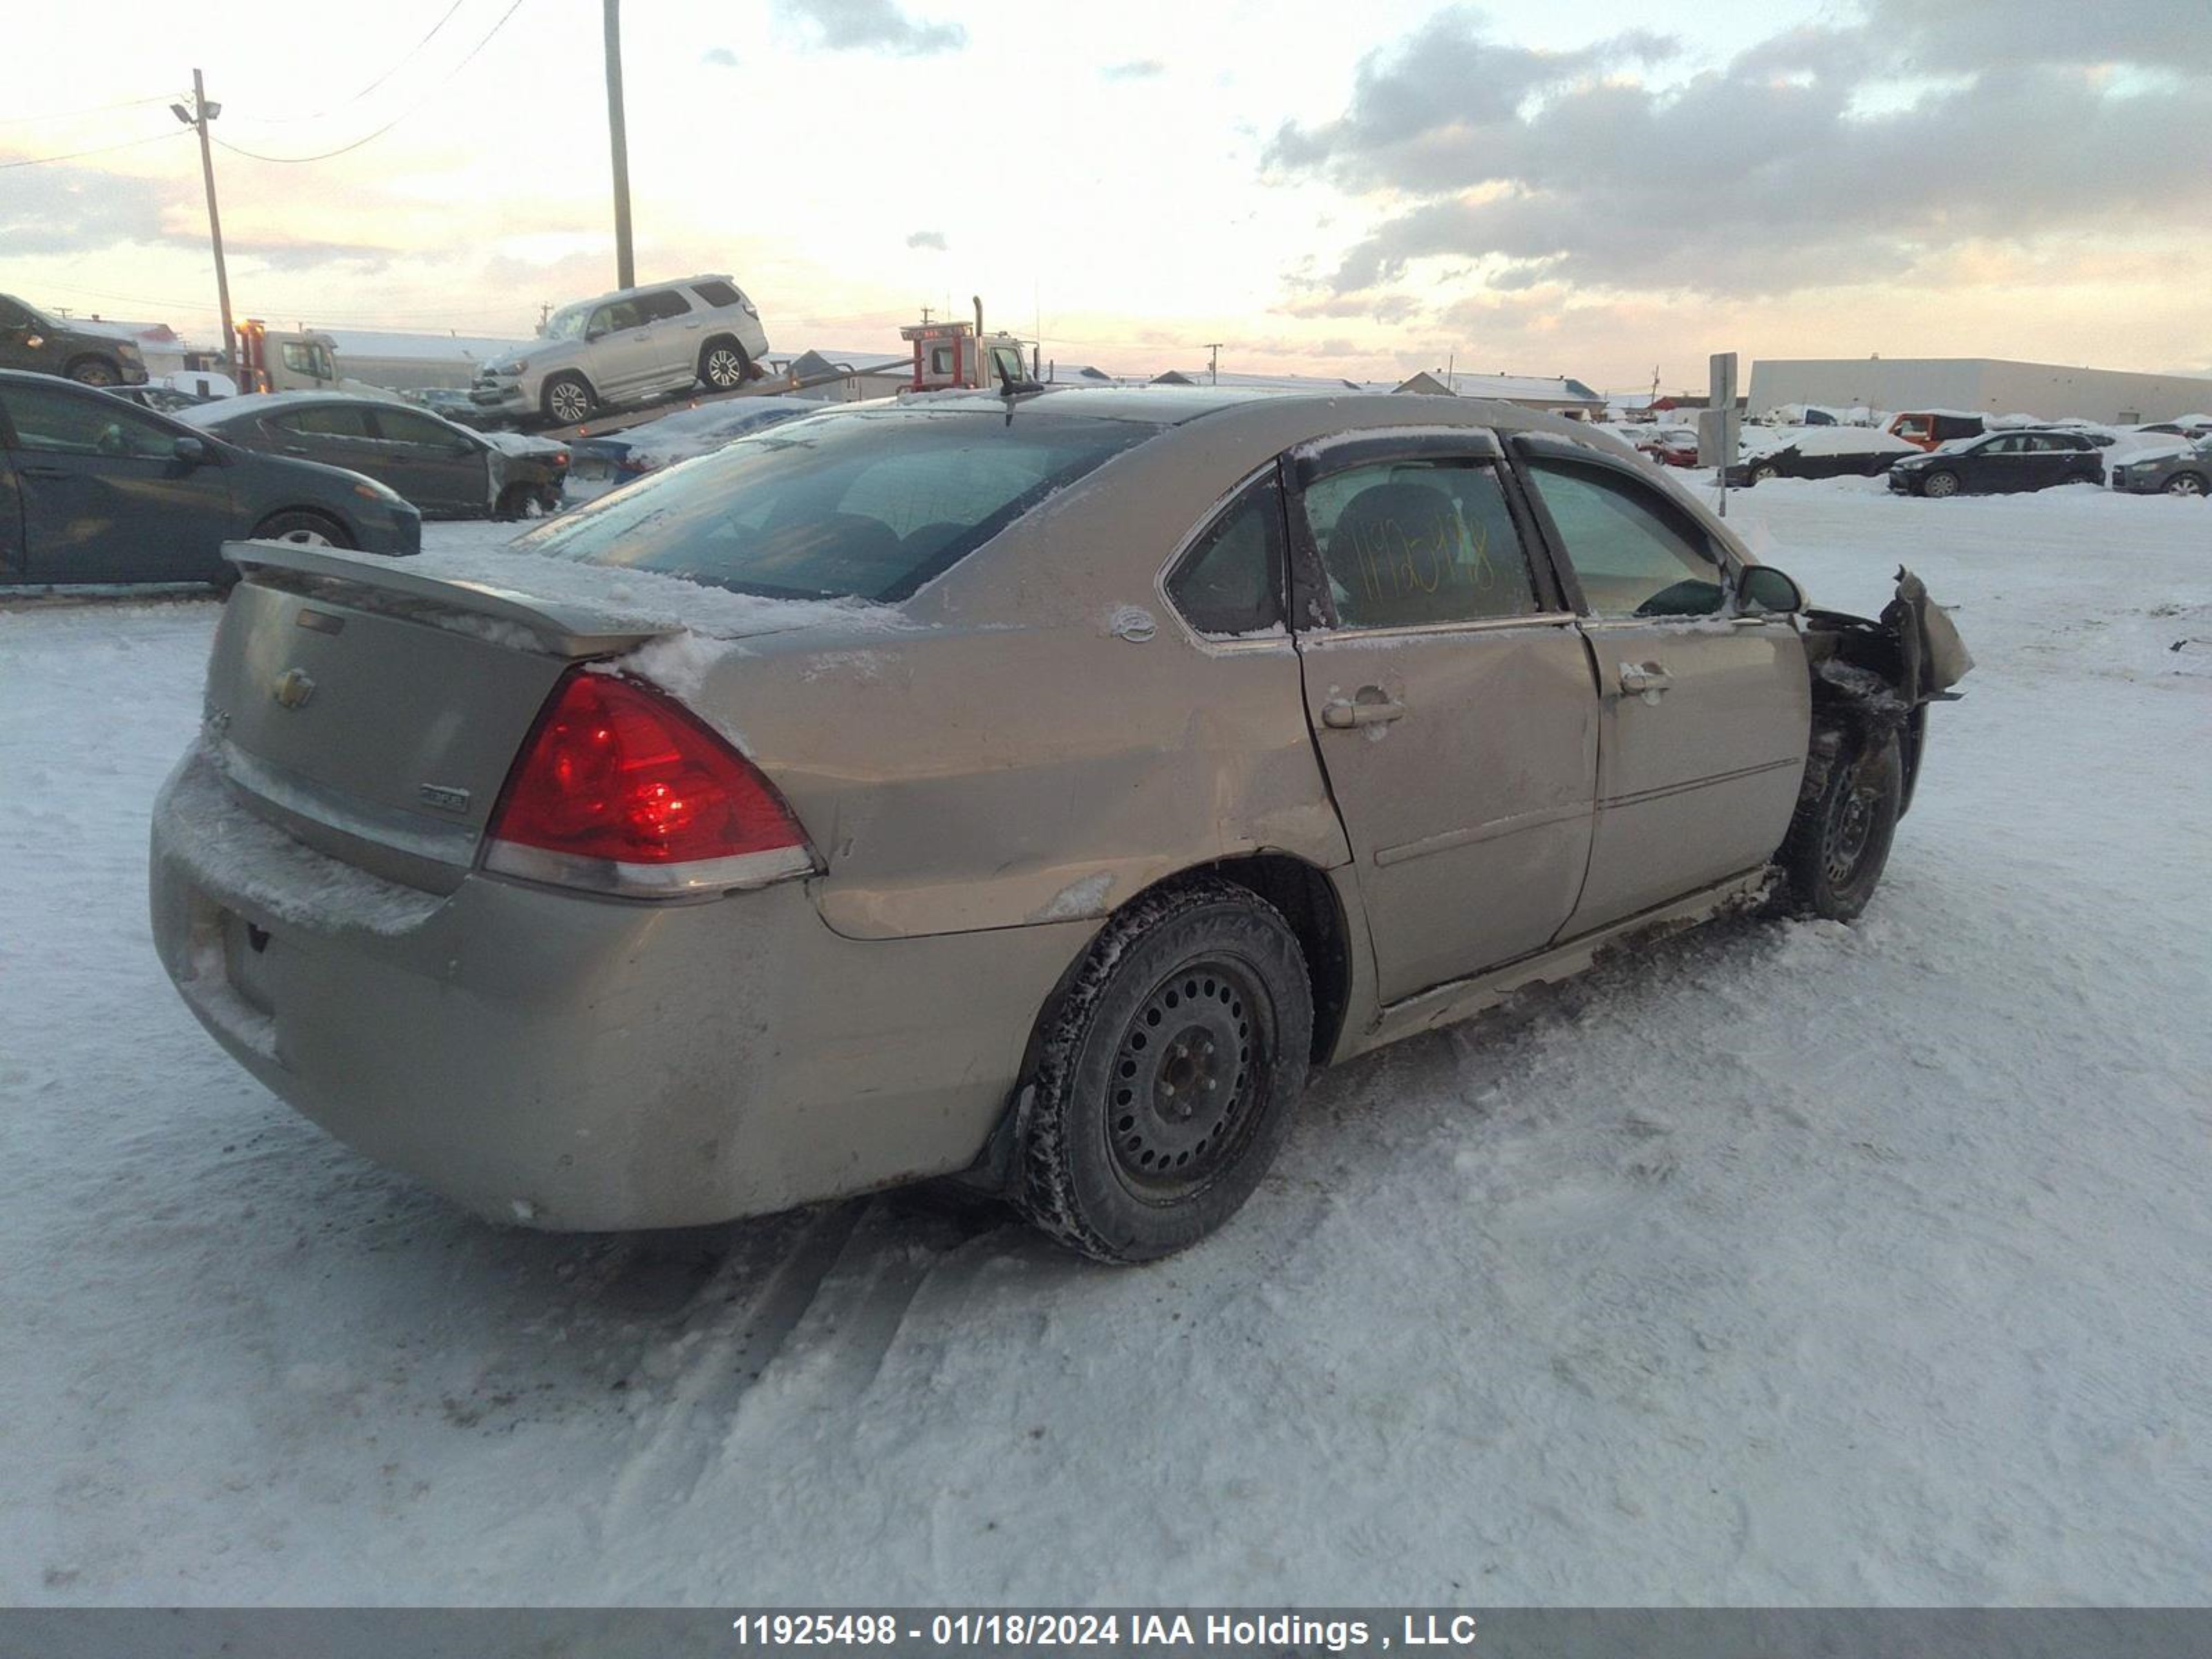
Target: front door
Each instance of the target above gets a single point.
(1706, 716)
(1451, 699)
(105, 498)
(441, 469)
(26, 341)
(334, 434)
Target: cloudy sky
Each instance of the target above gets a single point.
(1567, 187)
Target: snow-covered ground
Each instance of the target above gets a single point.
(1792, 1263)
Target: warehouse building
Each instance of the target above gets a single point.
(2049, 391)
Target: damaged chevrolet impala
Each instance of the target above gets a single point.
(1028, 791)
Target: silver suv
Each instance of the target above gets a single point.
(628, 347)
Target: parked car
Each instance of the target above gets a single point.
(1669, 446)
(2000, 463)
(29, 339)
(2191, 427)
(620, 457)
(1928, 429)
(1031, 790)
(628, 347)
(94, 490)
(2184, 472)
(1828, 452)
(448, 472)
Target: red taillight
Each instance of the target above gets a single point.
(621, 789)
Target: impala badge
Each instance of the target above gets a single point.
(292, 688)
(444, 796)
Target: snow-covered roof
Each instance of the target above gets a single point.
(1263, 382)
(1517, 388)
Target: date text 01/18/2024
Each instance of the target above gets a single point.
(1066, 1629)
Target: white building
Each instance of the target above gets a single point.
(1996, 385)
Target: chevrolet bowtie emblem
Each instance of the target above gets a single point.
(292, 688)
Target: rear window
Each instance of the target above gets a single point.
(841, 507)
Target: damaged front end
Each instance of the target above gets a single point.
(1874, 678)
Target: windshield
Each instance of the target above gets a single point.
(568, 322)
(857, 506)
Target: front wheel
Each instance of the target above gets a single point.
(1167, 1075)
(1939, 485)
(94, 371)
(1839, 840)
(568, 399)
(1764, 474)
(302, 529)
(2184, 483)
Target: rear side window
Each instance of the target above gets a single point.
(327, 420)
(851, 506)
(1635, 553)
(1410, 543)
(1231, 581)
(58, 423)
(662, 304)
(717, 295)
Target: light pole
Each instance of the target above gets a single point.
(198, 116)
(625, 268)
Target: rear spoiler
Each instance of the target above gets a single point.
(374, 582)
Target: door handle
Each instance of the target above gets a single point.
(295, 449)
(57, 474)
(1343, 713)
(1647, 680)
(691, 324)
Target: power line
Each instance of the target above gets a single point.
(78, 114)
(295, 160)
(286, 120)
(104, 149)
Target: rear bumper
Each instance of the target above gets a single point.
(580, 1064)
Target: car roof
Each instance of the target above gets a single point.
(648, 288)
(251, 404)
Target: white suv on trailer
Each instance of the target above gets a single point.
(632, 346)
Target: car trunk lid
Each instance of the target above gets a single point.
(374, 711)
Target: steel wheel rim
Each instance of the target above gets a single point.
(306, 538)
(1942, 485)
(1188, 1079)
(1850, 831)
(722, 366)
(568, 403)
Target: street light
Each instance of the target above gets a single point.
(199, 114)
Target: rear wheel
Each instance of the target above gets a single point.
(1761, 474)
(1839, 840)
(1168, 1074)
(94, 371)
(520, 501)
(724, 365)
(302, 529)
(2184, 483)
(566, 399)
(1939, 484)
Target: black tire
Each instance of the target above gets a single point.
(1838, 842)
(566, 399)
(1761, 474)
(1117, 1164)
(93, 370)
(2186, 483)
(724, 365)
(307, 528)
(1940, 486)
(516, 501)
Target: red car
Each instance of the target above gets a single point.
(1670, 445)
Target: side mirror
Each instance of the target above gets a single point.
(191, 451)
(1762, 589)
(590, 334)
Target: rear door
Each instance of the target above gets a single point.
(443, 471)
(675, 329)
(1451, 699)
(1705, 716)
(105, 497)
(336, 435)
(12, 567)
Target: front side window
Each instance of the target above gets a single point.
(13, 316)
(308, 358)
(57, 424)
(1637, 555)
(613, 319)
(1411, 543)
(1231, 581)
(866, 506)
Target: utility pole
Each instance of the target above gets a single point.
(625, 266)
(1213, 363)
(198, 116)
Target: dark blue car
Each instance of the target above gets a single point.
(93, 490)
